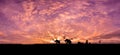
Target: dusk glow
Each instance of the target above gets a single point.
(41, 21)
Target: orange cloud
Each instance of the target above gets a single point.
(1, 34)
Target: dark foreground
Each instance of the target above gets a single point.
(61, 49)
(60, 46)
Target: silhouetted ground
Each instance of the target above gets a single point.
(61, 49)
(59, 46)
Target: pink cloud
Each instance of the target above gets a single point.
(82, 19)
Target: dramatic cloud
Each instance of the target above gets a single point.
(115, 34)
(40, 21)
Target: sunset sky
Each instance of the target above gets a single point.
(41, 21)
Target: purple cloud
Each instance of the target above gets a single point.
(41, 18)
